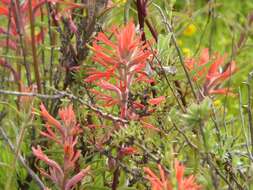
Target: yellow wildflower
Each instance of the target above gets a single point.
(217, 103)
(187, 52)
(190, 30)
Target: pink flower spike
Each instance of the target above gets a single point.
(50, 134)
(67, 115)
(77, 178)
(40, 155)
(51, 120)
(60, 175)
(108, 86)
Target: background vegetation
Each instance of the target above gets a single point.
(47, 54)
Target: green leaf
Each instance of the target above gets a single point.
(163, 48)
(197, 113)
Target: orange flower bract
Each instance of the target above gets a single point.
(66, 136)
(122, 59)
(213, 75)
(162, 182)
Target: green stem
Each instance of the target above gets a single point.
(34, 54)
(19, 143)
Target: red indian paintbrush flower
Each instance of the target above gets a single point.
(66, 135)
(185, 183)
(158, 183)
(215, 76)
(122, 60)
(163, 183)
(20, 18)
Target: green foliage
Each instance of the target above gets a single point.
(197, 113)
(212, 136)
(163, 48)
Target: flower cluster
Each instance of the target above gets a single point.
(163, 183)
(214, 74)
(20, 18)
(66, 135)
(122, 61)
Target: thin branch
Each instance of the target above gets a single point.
(181, 105)
(169, 29)
(94, 108)
(42, 96)
(34, 52)
(17, 151)
(247, 144)
(62, 94)
(185, 137)
(250, 76)
(20, 31)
